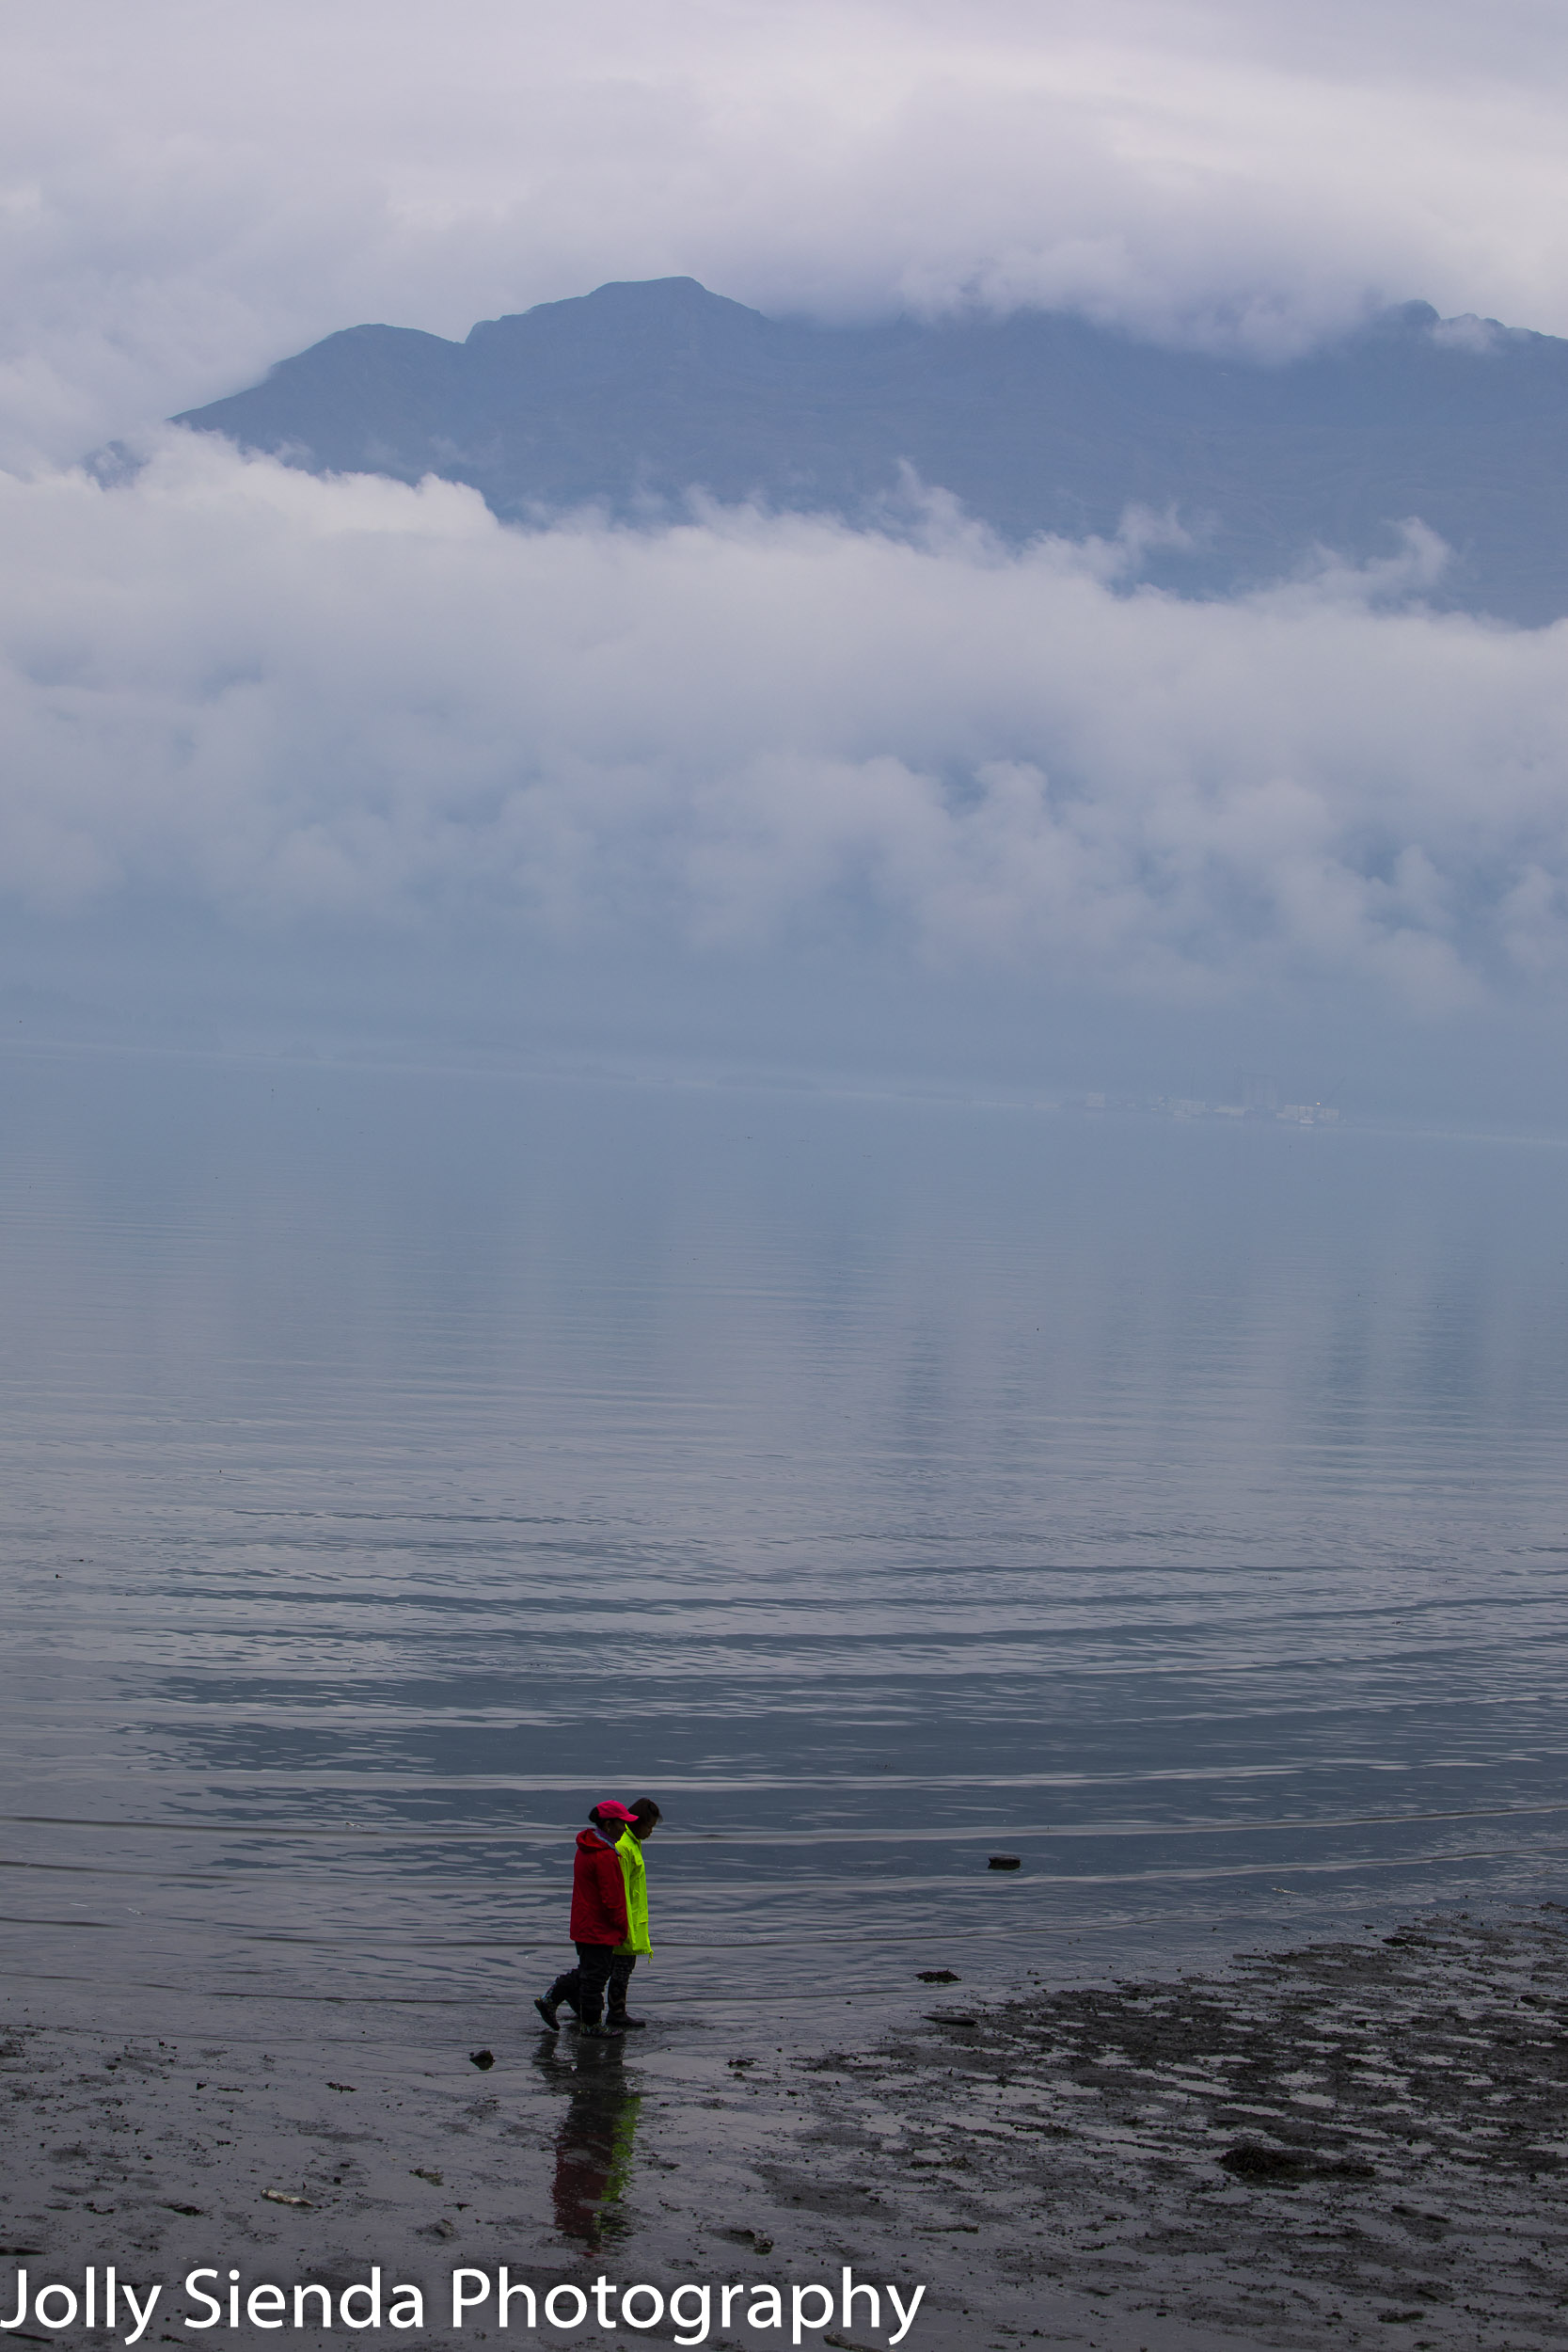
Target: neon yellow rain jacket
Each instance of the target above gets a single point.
(635, 1873)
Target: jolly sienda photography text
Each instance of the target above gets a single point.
(103, 2299)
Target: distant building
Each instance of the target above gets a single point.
(1308, 1114)
(1257, 1091)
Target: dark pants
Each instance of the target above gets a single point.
(600, 1968)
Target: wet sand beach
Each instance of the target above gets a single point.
(1356, 2141)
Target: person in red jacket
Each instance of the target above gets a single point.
(598, 1922)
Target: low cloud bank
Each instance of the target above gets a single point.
(350, 706)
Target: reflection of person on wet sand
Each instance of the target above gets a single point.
(593, 2149)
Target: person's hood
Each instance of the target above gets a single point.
(589, 1838)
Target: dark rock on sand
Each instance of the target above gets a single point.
(1250, 2162)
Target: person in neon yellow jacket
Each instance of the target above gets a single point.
(638, 1941)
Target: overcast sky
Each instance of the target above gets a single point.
(280, 702)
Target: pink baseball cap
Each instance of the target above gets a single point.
(610, 1811)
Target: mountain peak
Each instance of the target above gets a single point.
(634, 396)
(627, 308)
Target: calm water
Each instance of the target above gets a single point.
(392, 1463)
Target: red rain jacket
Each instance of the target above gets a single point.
(598, 1892)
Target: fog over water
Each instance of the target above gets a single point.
(334, 758)
(394, 1461)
